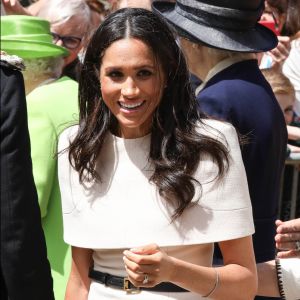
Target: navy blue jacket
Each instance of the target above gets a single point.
(240, 95)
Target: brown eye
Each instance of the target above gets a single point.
(115, 74)
(144, 73)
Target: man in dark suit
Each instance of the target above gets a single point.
(25, 271)
(220, 39)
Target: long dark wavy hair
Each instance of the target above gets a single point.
(176, 144)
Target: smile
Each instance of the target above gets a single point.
(131, 106)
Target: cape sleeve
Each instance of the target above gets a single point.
(225, 203)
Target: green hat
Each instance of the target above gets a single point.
(28, 37)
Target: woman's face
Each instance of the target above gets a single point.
(72, 32)
(131, 85)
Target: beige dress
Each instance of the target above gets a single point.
(125, 210)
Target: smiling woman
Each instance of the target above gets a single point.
(131, 85)
(143, 171)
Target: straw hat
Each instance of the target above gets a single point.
(28, 37)
(230, 25)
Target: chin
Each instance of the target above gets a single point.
(68, 60)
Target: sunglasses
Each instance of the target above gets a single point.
(69, 42)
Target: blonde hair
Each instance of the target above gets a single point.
(280, 84)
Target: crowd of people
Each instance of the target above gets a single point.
(153, 136)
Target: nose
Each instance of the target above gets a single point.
(129, 88)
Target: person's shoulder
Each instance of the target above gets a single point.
(60, 87)
(213, 126)
(69, 133)
(67, 136)
(59, 92)
(11, 80)
(219, 130)
(217, 124)
(10, 67)
(66, 81)
(11, 62)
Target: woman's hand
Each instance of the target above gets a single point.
(293, 132)
(294, 149)
(237, 277)
(148, 266)
(281, 52)
(288, 234)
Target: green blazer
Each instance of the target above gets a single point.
(51, 108)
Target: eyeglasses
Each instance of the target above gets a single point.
(69, 42)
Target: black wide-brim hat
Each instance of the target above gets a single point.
(223, 24)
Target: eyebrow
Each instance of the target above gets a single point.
(136, 68)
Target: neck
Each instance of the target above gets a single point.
(207, 59)
(203, 62)
(201, 70)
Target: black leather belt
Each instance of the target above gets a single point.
(124, 283)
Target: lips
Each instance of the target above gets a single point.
(131, 106)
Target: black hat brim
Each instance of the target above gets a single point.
(257, 39)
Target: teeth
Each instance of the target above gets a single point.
(133, 105)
